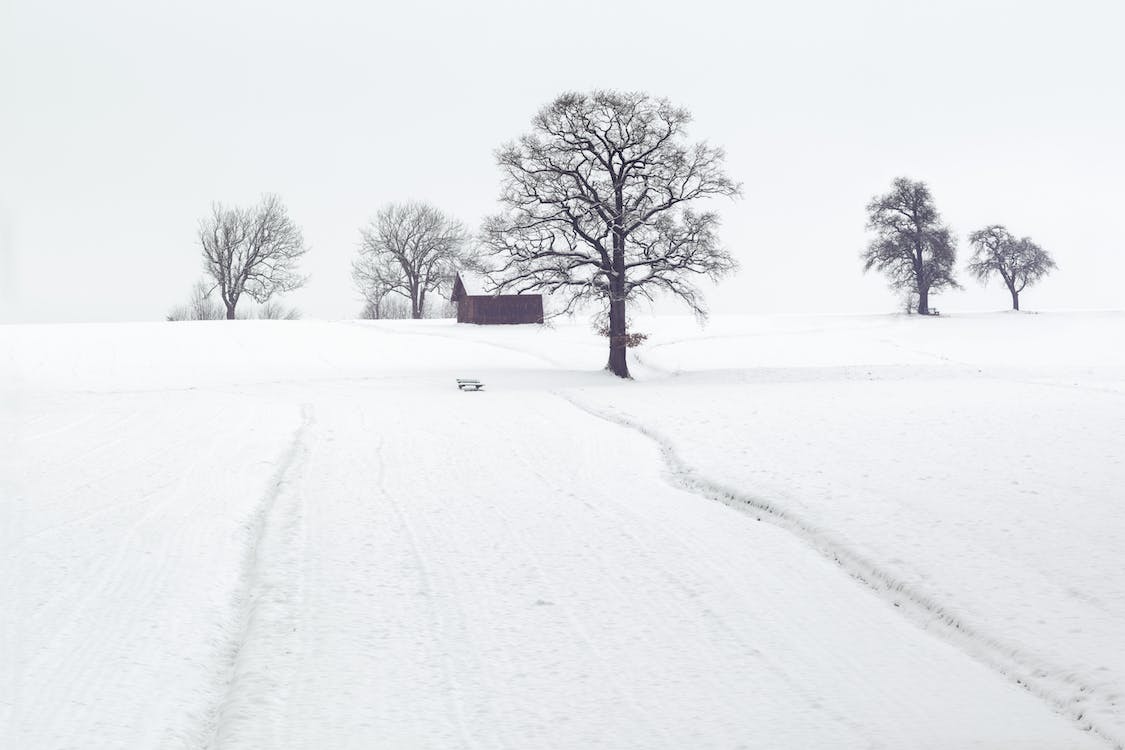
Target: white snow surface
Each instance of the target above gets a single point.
(786, 532)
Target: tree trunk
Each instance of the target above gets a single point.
(919, 271)
(618, 335)
(1015, 299)
(617, 338)
(230, 312)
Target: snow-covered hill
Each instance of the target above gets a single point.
(816, 532)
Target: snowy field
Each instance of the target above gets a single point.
(787, 532)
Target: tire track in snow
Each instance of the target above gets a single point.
(426, 573)
(621, 682)
(625, 520)
(268, 585)
(63, 610)
(1064, 691)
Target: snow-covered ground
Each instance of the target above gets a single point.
(816, 532)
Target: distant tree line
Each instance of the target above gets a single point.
(597, 208)
(917, 251)
(599, 205)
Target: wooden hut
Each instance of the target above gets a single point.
(474, 305)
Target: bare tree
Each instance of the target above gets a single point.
(374, 275)
(274, 310)
(409, 249)
(912, 246)
(398, 308)
(1018, 262)
(393, 308)
(596, 201)
(440, 309)
(252, 251)
(200, 306)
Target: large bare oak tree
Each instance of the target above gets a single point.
(912, 246)
(252, 251)
(1018, 262)
(597, 203)
(409, 249)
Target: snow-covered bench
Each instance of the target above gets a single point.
(469, 385)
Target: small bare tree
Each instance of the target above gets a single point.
(597, 200)
(274, 310)
(409, 249)
(912, 246)
(1018, 262)
(252, 251)
(398, 308)
(390, 308)
(200, 306)
(374, 275)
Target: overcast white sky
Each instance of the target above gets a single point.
(121, 120)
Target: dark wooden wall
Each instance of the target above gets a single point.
(501, 310)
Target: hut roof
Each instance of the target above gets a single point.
(469, 284)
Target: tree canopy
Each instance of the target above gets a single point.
(598, 206)
(912, 246)
(252, 251)
(1019, 262)
(409, 249)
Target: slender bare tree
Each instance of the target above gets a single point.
(409, 249)
(597, 208)
(252, 251)
(912, 246)
(275, 310)
(390, 308)
(374, 275)
(1019, 263)
(200, 306)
